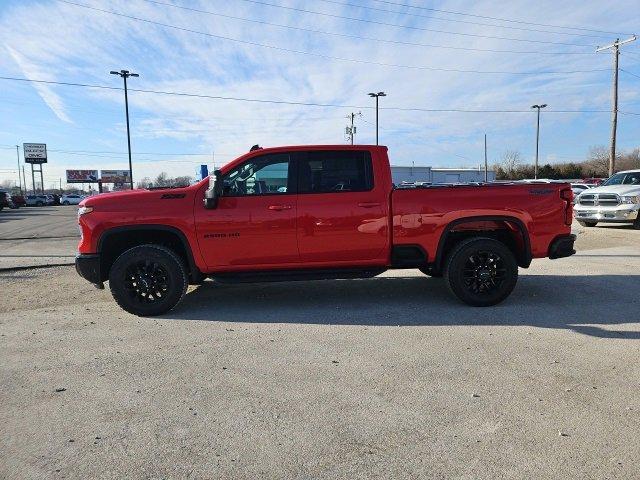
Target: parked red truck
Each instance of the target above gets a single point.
(317, 212)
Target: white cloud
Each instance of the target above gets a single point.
(47, 94)
(76, 44)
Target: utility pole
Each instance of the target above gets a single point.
(351, 130)
(19, 178)
(615, 48)
(538, 107)
(126, 74)
(486, 172)
(33, 180)
(377, 97)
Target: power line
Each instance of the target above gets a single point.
(325, 56)
(286, 102)
(522, 22)
(629, 73)
(360, 37)
(411, 27)
(302, 52)
(633, 55)
(431, 17)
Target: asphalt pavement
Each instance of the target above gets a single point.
(32, 236)
(387, 377)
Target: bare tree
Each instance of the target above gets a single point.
(629, 161)
(597, 163)
(511, 161)
(144, 183)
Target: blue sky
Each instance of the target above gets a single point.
(362, 50)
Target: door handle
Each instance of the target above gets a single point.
(279, 207)
(368, 204)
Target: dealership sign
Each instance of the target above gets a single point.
(35, 152)
(115, 176)
(82, 176)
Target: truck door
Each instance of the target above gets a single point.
(342, 214)
(255, 220)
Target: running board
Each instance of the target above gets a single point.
(296, 275)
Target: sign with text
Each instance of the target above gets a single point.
(35, 152)
(82, 176)
(115, 176)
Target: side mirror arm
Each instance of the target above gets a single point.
(214, 192)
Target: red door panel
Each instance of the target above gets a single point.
(249, 231)
(342, 227)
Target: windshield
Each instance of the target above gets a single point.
(632, 178)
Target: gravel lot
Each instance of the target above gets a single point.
(381, 378)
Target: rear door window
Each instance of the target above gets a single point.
(329, 171)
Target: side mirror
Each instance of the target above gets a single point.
(213, 193)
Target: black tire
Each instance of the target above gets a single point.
(587, 224)
(39, 204)
(148, 280)
(65, 203)
(636, 223)
(481, 271)
(431, 272)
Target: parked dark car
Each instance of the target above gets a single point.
(19, 200)
(5, 200)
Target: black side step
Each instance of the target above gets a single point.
(408, 256)
(296, 275)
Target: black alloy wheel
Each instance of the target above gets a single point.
(148, 280)
(481, 271)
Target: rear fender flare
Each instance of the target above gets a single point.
(524, 259)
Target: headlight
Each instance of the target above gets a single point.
(84, 210)
(630, 199)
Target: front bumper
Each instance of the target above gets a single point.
(621, 213)
(88, 267)
(562, 246)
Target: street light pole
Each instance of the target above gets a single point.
(538, 107)
(19, 178)
(377, 96)
(126, 74)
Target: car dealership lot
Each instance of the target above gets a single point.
(389, 377)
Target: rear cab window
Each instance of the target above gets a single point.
(335, 171)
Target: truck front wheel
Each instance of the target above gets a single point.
(481, 271)
(148, 280)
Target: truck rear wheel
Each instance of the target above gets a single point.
(481, 271)
(148, 280)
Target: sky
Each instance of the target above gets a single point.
(306, 65)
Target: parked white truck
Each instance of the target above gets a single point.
(615, 201)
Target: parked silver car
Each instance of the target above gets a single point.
(38, 200)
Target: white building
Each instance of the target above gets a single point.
(439, 175)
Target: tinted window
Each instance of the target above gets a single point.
(265, 175)
(335, 171)
(632, 178)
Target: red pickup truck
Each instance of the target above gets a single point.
(317, 212)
